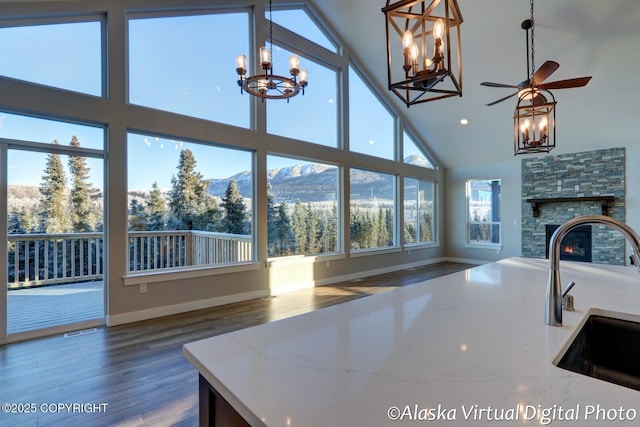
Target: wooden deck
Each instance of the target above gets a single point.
(137, 370)
(42, 307)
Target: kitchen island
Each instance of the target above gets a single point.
(470, 348)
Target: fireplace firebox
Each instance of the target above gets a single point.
(576, 244)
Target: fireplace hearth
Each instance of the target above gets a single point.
(576, 244)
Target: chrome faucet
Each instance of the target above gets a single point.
(553, 311)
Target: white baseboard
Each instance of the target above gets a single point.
(152, 313)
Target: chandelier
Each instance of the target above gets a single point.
(429, 64)
(534, 119)
(534, 122)
(268, 85)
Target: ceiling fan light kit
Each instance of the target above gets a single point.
(534, 118)
(424, 61)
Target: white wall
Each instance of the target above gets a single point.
(455, 236)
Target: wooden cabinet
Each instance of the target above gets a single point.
(215, 411)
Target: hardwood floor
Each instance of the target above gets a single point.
(135, 374)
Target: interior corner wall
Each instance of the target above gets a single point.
(456, 208)
(632, 191)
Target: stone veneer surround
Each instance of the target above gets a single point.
(591, 173)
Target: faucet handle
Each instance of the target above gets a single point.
(568, 288)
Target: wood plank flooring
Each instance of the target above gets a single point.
(136, 375)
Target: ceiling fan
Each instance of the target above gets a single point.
(535, 79)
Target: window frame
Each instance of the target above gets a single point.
(44, 19)
(396, 246)
(184, 12)
(339, 251)
(418, 243)
(120, 116)
(137, 277)
(492, 223)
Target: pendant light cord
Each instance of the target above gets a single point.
(533, 46)
(271, 27)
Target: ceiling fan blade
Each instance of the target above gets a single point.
(501, 99)
(545, 71)
(566, 84)
(490, 84)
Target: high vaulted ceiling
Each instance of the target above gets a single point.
(587, 37)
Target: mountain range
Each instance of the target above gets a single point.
(313, 182)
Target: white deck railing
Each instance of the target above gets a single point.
(47, 259)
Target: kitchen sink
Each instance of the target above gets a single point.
(606, 346)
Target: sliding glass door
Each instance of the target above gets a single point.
(54, 218)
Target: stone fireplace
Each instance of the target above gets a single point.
(558, 188)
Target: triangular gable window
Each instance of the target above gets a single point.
(298, 21)
(413, 155)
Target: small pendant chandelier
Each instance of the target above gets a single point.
(534, 119)
(429, 66)
(268, 85)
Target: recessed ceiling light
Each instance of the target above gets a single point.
(464, 121)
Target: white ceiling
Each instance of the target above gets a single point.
(599, 38)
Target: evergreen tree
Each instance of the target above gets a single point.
(83, 217)
(272, 216)
(156, 209)
(137, 216)
(426, 232)
(19, 221)
(209, 216)
(329, 231)
(312, 223)
(299, 227)
(53, 207)
(189, 202)
(284, 240)
(235, 209)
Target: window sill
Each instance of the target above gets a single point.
(137, 278)
(489, 246)
(418, 246)
(374, 251)
(303, 259)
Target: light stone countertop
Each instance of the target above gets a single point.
(467, 348)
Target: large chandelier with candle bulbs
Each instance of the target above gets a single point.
(267, 85)
(424, 60)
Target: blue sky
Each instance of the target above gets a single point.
(183, 64)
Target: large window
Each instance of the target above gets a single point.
(175, 65)
(372, 209)
(62, 55)
(418, 211)
(189, 204)
(371, 127)
(302, 207)
(483, 212)
(312, 117)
